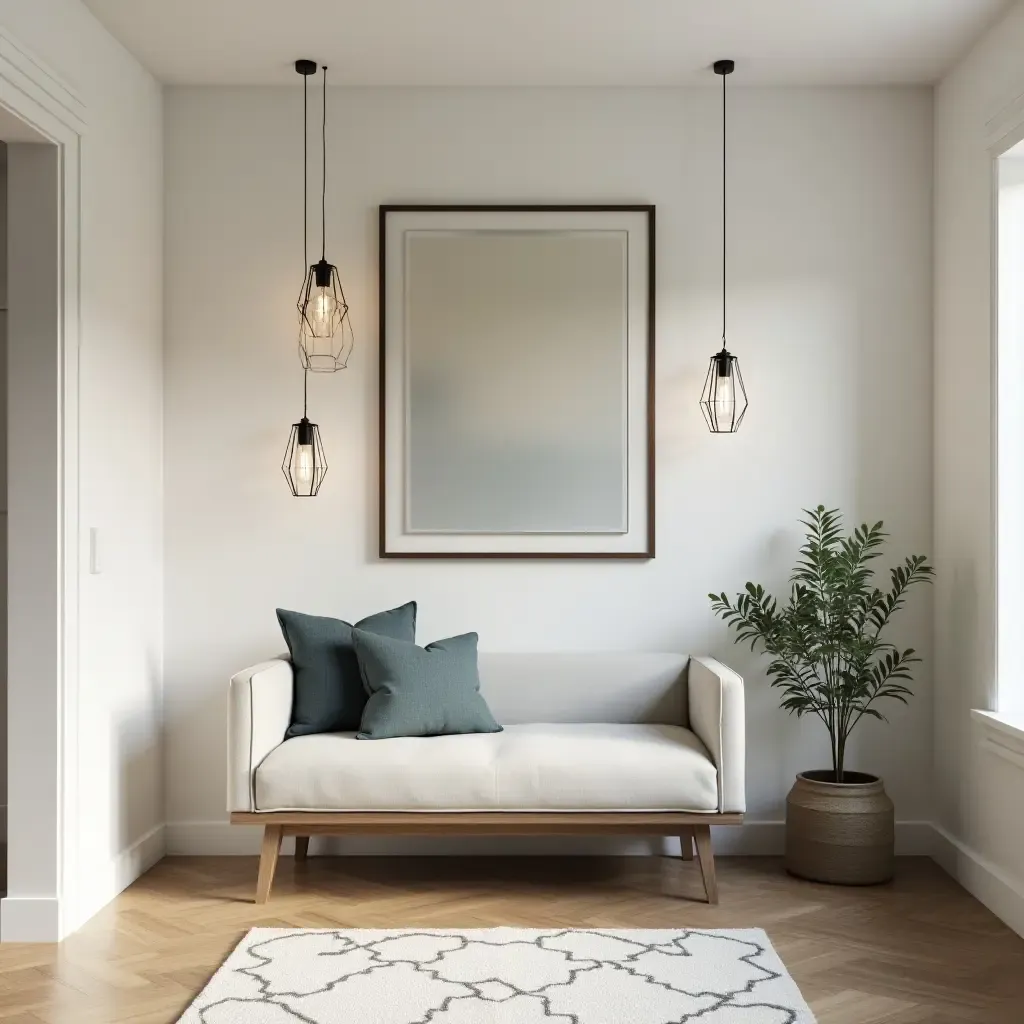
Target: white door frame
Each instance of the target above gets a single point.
(36, 95)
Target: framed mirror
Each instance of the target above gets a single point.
(516, 381)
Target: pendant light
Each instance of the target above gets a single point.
(304, 465)
(325, 330)
(724, 399)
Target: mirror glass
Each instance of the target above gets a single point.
(516, 381)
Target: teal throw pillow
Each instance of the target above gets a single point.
(420, 691)
(329, 694)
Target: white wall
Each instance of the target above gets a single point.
(980, 798)
(121, 786)
(831, 291)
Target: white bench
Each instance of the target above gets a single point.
(647, 744)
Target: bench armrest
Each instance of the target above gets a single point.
(718, 718)
(259, 713)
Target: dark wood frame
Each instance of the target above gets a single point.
(646, 208)
(692, 830)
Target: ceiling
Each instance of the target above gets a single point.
(548, 42)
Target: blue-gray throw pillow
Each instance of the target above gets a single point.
(420, 691)
(329, 694)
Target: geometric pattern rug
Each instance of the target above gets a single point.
(501, 976)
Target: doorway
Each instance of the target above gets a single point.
(40, 126)
(29, 308)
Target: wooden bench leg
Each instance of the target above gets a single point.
(268, 861)
(301, 847)
(706, 856)
(686, 843)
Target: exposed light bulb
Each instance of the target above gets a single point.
(324, 306)
(724, 400)
(303, 466)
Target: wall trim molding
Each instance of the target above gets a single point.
(1006, 751)
(29, 919)
(752, 838)
(1002, 129)
(36, 94)
(40, 84)
(1002, 737)
(987, 883)
(38, 919)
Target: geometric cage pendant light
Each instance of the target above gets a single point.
(325, 330)
(304, 464)
(724, 398)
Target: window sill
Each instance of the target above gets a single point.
(1004, 736)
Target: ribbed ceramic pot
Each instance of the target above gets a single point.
(842, 833)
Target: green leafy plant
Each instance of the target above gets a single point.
(828, 655)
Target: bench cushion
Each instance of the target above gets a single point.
(540, 767)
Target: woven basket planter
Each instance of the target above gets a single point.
(841, 833)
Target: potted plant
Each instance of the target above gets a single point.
(829, 659)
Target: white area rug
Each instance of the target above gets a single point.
(501, 976)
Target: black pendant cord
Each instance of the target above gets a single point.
(305, 392)
(305, 174)
(723, 213)
(323, 193)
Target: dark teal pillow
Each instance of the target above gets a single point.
(420, 691)
(329, 694)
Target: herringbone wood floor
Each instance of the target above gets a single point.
(919, 951)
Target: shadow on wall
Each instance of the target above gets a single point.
(962, 628)
(137, 769)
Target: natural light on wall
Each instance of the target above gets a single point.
(1011, 433)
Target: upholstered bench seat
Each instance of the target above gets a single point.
(619, 743)
(533, 767)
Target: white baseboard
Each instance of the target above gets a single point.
(119, 872)
(39, 919)
(33, 919)
(1001, 893)
(768, 839)
(915, 839)
(753, 838)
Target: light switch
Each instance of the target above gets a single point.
(94, 550)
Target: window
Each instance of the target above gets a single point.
(1010, 468)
